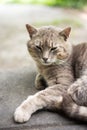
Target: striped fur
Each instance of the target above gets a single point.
(62, 74)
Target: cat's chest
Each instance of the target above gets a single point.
(51, 72)
(57, 74)
(50, 75)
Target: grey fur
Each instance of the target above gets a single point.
(61, 72)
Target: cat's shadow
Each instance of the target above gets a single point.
(62, 116)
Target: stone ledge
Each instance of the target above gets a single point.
(15, 86)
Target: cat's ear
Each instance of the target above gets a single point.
(31, 30)
(65, 33)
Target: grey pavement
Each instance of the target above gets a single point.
(15, 86)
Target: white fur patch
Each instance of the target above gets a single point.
(21, 115)
(24, 111)
(83, 111)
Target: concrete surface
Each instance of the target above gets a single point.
(15, 86)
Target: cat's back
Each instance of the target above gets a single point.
(80, 49)
(80, 58)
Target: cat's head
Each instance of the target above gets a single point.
(48, 45)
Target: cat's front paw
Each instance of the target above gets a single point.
(40, 82)
(21, 115)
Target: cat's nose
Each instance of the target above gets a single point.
(45, 59)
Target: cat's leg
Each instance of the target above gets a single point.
(78, 91)
(44, 99)
(40, 82)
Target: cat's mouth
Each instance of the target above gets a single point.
(44, 62)
(47, 63)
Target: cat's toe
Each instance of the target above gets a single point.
(21, 115)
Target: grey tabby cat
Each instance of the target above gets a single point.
(62, 74)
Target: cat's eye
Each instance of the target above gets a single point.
(39, 48)
(53, 48)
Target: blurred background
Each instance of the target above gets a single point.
(14, 14)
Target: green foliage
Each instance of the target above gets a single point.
(71, 3)
(63, 3)
(61, 22)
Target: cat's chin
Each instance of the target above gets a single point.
(53, 63)
(47, 64)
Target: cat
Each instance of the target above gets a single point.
(61, 74)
